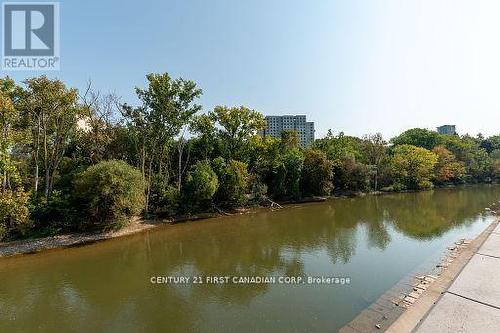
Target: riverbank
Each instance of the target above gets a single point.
(442, 306)
(137, 225)
(401, 307)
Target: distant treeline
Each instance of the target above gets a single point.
(78, 160)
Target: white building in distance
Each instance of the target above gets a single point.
(447, 129)
(277, 124)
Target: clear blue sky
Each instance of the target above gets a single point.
(354, 66)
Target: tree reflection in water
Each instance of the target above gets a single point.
(106, 287)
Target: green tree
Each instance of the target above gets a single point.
(236, 126)
(418, 137)
(495, 154)
(476, 159)
(345, 153)
(490, 144)
(374, 152)
(204, 126)
(8, 117)
(447, 168)
(109, 193)
(51, 110)
(317, 173)
(413, 167)
(14, 213)
(289, 139)
(167, 106)
(202, 183)
(495, 170)
(262, 154)
(287, 171)
(351, 175)
(339, 147)
(233, 181)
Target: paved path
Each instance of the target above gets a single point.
(472, 302)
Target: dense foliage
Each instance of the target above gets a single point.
(412, 167)
(109, 193)
(71, 159)
(201, 184)
(14, 213)
(317, 173)
(233, 177)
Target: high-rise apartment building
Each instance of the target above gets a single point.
(277, 124)
(447, 129)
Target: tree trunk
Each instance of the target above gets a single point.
(4, 182)
(148, 191)
(46, 162)
(4, 178)
(37, 149)
(179, 177)
(47, 181)
(51, 182)
(36, 175)
(143, 162)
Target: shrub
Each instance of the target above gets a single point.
(109, 193)
(496, 170)
(14, 212)
(55, 212)
(233, 181)
(317, 173)
(164, 199)
(202, 183)
(257, 188)
(3, 231)
(287, 171)
(351, 175)
(168, 201)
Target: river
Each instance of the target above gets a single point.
(373, 241)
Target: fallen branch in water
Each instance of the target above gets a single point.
(274, 205)
(220, 211)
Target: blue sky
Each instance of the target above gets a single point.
(358, 66)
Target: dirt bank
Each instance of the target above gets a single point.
(26, 246)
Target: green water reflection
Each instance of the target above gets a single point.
(376, 241)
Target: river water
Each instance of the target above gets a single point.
(372, 242)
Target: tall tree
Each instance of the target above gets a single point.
(204, 126)
(96, 126)
(237, 125)
(11, 131)
(167, 107)
(52, 113)
(317, 173)
(338, 147)
(374, 151)
(8, 116)
(289, 139)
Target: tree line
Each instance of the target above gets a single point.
(78, 160)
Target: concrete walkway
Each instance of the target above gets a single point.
(472, 302)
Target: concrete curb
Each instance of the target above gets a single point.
(410, 320)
